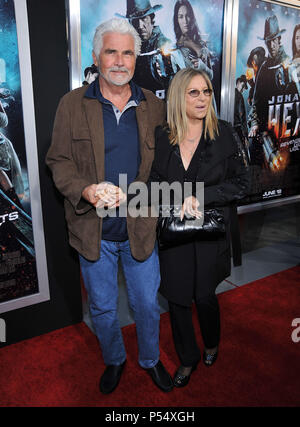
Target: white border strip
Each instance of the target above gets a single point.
(226, 60)
(292, 3)
(231, 10)
(74, 31)
(32, 163)
(267, 204)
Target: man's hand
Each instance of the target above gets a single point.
(89, 194)
(109, 195)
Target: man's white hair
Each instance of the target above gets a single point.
(115, 25)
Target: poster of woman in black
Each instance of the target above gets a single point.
(18, 276)
(174, 33)
(267, 61)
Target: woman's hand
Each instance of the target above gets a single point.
(103, 195)
(190, 207)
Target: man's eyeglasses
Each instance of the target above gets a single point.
(194, 93)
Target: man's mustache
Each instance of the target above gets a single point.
(122, 69)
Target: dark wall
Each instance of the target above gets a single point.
(50, 72)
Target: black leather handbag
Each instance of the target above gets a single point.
(172, 231)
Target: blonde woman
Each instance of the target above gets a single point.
(196, 146)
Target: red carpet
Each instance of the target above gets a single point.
(258, 363)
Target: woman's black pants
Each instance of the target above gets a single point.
(183, 328)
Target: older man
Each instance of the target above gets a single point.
(101, 131)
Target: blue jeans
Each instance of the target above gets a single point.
(142, 280)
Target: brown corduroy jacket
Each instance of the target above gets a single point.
(76, 159)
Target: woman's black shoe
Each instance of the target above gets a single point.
(181, 380)
(209, 358)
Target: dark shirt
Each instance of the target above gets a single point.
(122, 150)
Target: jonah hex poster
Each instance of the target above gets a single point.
(18, 275)
(267, 96)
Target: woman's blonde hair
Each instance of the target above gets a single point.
(176, 106)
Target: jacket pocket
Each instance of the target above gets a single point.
(81, 145)
(83, 153)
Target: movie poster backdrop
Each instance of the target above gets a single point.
(267, 96)
(18, 274)
(168, 43)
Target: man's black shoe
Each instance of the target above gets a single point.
(161, 377)
(110, 378)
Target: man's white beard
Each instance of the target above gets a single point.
(117, 81)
